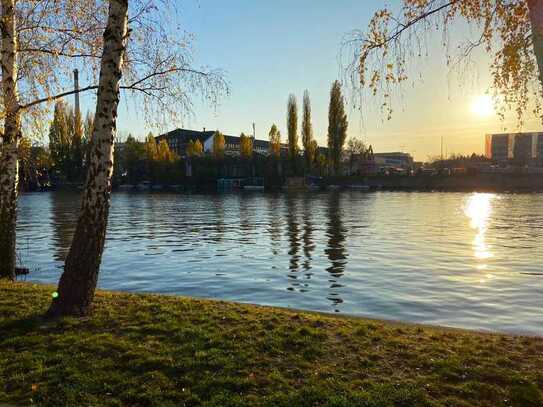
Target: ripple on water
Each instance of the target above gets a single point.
(456, 259)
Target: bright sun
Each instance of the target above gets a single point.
(482, 105)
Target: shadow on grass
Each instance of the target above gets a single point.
(22, 326)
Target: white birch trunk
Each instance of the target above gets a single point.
(536, 18)
(78, 282)
(10, 141)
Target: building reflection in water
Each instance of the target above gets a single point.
(478, 209)
(244, 220)
(335, 250)
(217, 202)
(64, 212)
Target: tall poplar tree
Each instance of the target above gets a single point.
(307, 132)
(292, 130)
(245, 146)
(275, 141)
(337, 126)
(60, 139)
(218, 145)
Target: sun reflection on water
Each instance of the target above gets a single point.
(478, 209)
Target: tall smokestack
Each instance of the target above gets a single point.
(76, 88)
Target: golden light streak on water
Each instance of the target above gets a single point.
(478, 209)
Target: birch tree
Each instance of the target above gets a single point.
(78, 281)
(510, 32)
(10, 141)
(56, 36)
(37, 36)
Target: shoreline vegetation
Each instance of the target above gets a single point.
(151, 350)
(459, 183)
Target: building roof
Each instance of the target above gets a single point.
(516, 134)
(185, 135)
(397, 153)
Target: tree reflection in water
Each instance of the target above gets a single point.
(64, 210)
(309, 244)
(335, 249)
(293, 232)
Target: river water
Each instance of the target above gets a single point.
(466, 260)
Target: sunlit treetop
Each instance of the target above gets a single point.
(381, 56)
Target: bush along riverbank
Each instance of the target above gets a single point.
(151, 350)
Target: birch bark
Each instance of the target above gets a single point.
(10, 141)
(78, 281)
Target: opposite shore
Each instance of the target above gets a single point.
(453, 183)
(166, 350)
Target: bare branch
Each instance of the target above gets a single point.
(148, 90)
(401, 27)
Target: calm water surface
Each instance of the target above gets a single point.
(455, 259)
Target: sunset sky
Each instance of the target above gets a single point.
(271, 49)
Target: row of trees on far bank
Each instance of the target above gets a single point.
(67, 156)
(336, 136)
(308, 160)
(69, 141)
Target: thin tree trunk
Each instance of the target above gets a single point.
(78, 282)
(536, 18)
(10, 142)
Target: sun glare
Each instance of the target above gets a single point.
(478, 209)
(482, 106)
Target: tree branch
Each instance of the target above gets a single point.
(58, 96)
(132, 86)
(405, 26)
(57, 53)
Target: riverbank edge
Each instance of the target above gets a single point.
(149, 349)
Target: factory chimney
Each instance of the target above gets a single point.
(76, 88)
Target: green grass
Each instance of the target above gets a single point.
(150, 350)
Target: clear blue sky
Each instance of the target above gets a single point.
(269, 49)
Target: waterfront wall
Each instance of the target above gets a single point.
(476, 182)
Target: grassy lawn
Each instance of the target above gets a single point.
(147, 350)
